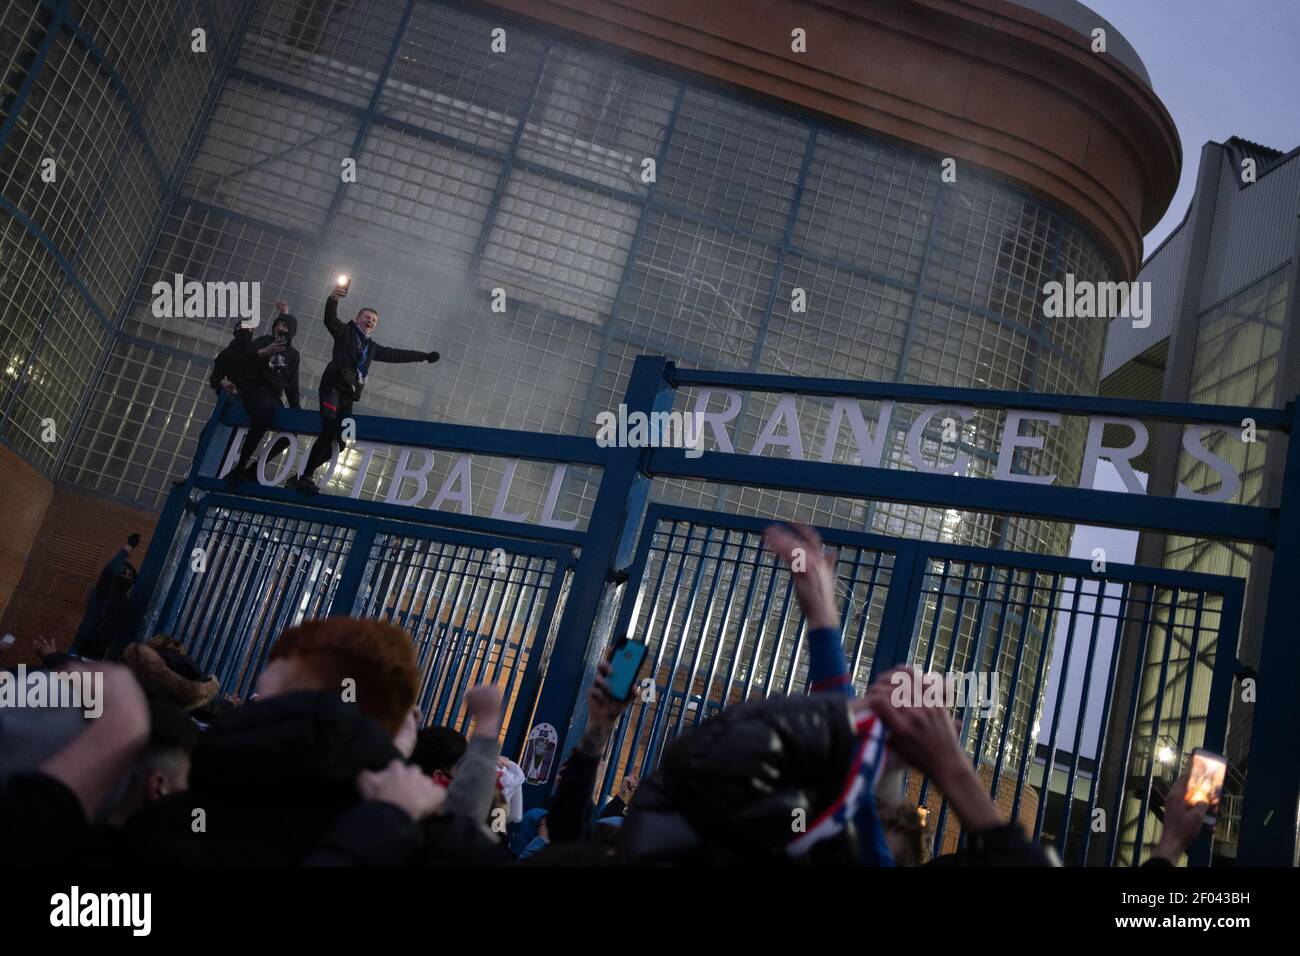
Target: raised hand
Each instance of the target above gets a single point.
(1183, 821)
(484, 703)
(628, 787)
(813, 571)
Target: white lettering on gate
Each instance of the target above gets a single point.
(782, 429)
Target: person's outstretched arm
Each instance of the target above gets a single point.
(91, 764)
(470, 792)
(925, 736)
(1183, 823)
(572, 812)
(813, 572)
(332, 323)
(382, 353)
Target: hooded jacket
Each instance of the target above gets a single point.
(726, 791)
(273, 778)
(276, 781)
(277, 374)
(230, 360)
(353, 353)
(170, 676)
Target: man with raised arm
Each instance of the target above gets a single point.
(345, 378)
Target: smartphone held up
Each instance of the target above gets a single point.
(624, 666)
(1205, 782)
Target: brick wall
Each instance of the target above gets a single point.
(24, 498)
(79, 534)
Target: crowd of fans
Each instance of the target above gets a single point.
(326, 764)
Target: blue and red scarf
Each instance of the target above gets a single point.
(856, 803)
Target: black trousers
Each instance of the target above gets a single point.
(334, 409)
(260, 405)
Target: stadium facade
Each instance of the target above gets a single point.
(524, 169)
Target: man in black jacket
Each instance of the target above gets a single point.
(226, 366)
(267, 369)
(105, 604)
(345, 378)
(308, 775)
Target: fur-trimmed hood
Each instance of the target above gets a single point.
(161, 681)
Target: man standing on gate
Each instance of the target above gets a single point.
(345, 378)
(265, 368)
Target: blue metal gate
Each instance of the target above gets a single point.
(478, 608)
(720, 617)
(532, 607)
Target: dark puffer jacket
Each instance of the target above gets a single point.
(276, 780)
(230, 360)
(726, 791)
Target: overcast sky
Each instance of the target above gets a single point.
(1222, 67)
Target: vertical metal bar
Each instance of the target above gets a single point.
(1192, 650)
(354, 569)
(775, 658)
(742, 630)
(1008, 721)
(664, 703)
(728, 606)
(941, 823)
(996, 654)
(686, 630)
(772, 563)
(1049, 762)
(864, 619)
(1139, 830)
(1030, 742)
(1144, 634)
(615, 519)
(902, 601)
(1106, 704)
(1274, 758)
(1083, 712)
(531, 675)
